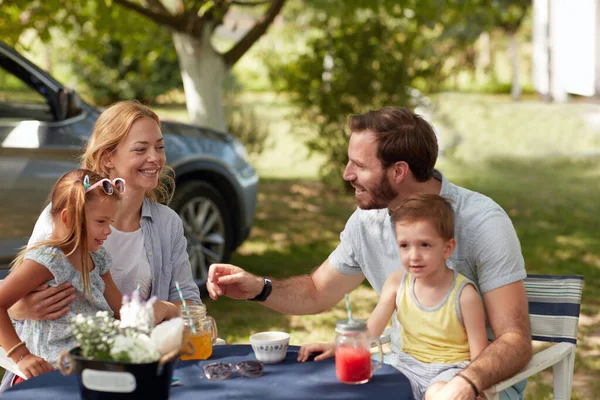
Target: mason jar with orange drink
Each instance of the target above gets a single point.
(200, 330)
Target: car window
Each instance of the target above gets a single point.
(18, 101)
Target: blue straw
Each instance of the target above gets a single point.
(185, 308)
(348, 307)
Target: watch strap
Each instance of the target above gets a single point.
(262, 296)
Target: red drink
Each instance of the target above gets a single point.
(353, 365)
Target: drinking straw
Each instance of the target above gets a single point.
(185, 308)
(138, 287)
(348, 307)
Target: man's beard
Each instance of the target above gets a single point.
(381, 195)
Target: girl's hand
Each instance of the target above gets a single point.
(32, 366)
(326, 350)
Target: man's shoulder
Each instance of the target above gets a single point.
(471, 206)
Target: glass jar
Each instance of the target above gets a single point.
(353, 352)
(200, 330)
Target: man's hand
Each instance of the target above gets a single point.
(45, 303)
(233, 282)
(325, 350)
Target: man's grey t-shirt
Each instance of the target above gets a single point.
(487, 250)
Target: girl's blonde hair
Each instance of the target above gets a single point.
(110, 129)
(69, 194)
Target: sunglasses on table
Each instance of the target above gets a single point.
(221, 371)
(109, 187)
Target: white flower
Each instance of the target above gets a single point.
(137, 314)
(137, 350)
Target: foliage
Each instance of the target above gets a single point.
(363, 55)
(113, 64)
(508, 14)
(244, 121)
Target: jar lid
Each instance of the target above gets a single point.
(351, 325)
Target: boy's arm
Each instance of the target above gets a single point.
(384, 310)
(24, 279)
(471, 309)
(112, 294)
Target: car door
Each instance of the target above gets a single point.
(35, 150)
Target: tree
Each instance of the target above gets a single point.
(192, 24)
(363, 55)
(509, 14)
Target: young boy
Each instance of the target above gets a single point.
(440, 311)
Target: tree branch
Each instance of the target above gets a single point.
(161, 18)
(250, 3)
(261, 26)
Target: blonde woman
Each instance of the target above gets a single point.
(147, 243)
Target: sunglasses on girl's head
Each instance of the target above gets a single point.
(220, 371)
(108, 186)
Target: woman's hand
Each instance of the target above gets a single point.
(32, 366)
(164, 310)
(44, 303)
(326, 350)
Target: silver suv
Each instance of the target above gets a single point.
(43, 128)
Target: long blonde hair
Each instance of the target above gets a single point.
(110, 129)
(69, 194)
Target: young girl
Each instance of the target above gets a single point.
(83, 207)
(440, 311)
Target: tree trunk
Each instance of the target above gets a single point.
(515, 90)
(202, 72)
(484, 58)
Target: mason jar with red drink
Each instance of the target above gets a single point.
(353, 352)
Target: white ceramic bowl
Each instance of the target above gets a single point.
(270, 347)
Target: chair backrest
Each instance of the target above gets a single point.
(554, 304)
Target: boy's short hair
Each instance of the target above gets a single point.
(427, 207)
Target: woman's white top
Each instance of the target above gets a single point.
(130, 266)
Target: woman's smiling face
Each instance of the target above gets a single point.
(140, 157)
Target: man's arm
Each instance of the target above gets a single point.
(508, 354)
(298, 295)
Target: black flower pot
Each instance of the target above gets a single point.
(103, 380)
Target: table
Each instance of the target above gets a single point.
(287, 380)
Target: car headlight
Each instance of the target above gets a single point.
(240, 150)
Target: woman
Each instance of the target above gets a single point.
(147, 243)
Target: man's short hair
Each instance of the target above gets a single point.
(427, 207)
(401, 135)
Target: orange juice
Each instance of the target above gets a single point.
(202, 343)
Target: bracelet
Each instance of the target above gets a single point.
(15, 347)
(470, 382)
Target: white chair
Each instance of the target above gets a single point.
(9, 365)
(554, 305)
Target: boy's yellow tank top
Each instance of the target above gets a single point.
(433, 334)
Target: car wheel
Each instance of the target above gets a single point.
(206, 224)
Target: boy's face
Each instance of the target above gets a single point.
(99, 214)
(422, 250)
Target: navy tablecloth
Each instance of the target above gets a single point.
(286, 380)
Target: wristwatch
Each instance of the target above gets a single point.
(262, 296)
